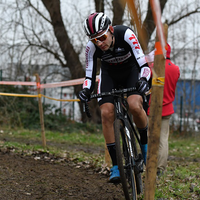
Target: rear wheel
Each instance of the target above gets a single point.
(125, 160)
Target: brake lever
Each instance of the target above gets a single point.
(86, 109)
(145, 99)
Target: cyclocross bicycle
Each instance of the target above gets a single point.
(128, 148)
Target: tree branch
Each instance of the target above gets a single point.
(184, 16)
(32, 6)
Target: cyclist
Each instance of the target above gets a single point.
(122, 63)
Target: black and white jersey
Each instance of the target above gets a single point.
(126, 54)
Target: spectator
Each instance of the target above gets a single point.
(172, 74)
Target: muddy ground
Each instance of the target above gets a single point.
(36, 175)
(42, 176)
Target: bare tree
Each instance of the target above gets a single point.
(118, 11)
(99, 5)
(66, 51)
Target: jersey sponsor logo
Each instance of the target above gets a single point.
(118, 59)
(98, 88)
(134, 40)
(85, 84)
(86, 55)
(119, 49)
(146, 72)
(142, 57)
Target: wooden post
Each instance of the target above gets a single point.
(41, 111)
(155, 117)
(137, 21)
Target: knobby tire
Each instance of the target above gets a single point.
(123, 160)
(138, 176)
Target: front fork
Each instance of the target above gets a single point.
(137, 163)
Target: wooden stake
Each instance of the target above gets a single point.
(155, 117)
(41, 111)
(137, 20)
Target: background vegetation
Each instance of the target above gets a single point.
(23, 112)
(36, 34)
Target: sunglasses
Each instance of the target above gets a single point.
(100, 38)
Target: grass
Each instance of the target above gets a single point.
(180, 181)
(184, 147)
(79, 134)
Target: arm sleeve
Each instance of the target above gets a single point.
(132, 40)
(91, 63)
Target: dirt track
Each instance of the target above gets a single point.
(42, 177)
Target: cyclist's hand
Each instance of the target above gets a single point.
(142, 85)
(84, 95)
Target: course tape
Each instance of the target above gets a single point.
(48, 85)
(60, 99)
(63, 83)
(18, 95)
(38, 95)
(17, 83)
(42, 86)
(158, 48)
(159, 81)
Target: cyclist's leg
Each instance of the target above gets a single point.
(106, 104)
(140, 119)
(135, 102)
(107, 116)
(136, 108)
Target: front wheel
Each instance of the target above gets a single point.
(125, 160)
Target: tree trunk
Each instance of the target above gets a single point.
(99, 5)
(118, 11)
(71, 57)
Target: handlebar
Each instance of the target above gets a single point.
(114, 92)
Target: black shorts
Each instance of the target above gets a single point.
(115, 80)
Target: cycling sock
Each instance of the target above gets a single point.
(143, 134)
(112, 152)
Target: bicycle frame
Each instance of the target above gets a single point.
(121, 112)
(130, 161)
(129, 170)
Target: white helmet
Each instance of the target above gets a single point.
(96, 23)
